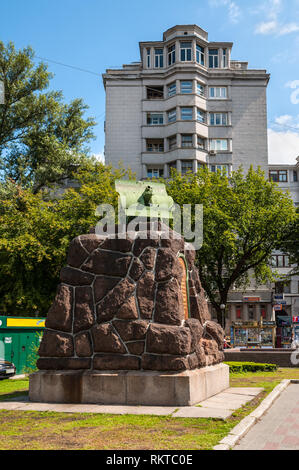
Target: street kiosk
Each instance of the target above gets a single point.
(19, 337)
(253, 334)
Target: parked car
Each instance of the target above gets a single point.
(7, 369)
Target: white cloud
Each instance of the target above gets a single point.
(266, 27)
(271, 10)
(285, 119)
(288, 121)
(288, 28)
(234, 11)
(283, 147)
(100, 157)
(295, 95)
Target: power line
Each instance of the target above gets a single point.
(70, 66)
(82, 70)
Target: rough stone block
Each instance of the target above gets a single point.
(60, 316)
(56, 344)
(83, 346)
(115, 362)
(169, 307)
(131, 330)
(75, 277)
(84, 316)
(167, 339)
(106, 340)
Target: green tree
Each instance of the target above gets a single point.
(42, 140)
(35, 234)
(245, 217)
(291, 244)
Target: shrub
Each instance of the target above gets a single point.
(250, 367)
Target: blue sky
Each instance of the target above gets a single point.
(97, 34)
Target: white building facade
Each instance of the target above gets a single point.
(287, 177)
(184, 105)
(259, 301)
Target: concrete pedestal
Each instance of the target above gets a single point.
(129, 387)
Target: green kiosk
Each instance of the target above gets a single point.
(19, 337)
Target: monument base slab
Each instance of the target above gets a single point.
(128, 387)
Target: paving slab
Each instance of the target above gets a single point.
(222, 405)
(219, 406)
(135, 410)
(230, 400)
(201, 412)
(278, 428)
(254, 391)
(8, 405)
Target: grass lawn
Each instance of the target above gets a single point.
(36, 430)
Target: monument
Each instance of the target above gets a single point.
(130, 324)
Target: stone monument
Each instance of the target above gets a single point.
(130, 325)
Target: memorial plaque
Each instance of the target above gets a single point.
(184, 287)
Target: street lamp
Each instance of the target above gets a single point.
(222, 308)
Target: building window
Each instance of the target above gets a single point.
(280, 261)
(148, 58)
(172, 115)
(238, 312)
(221, 168)
(172, 142)
(213, 58)
(224, 58)
(200, 89)
(201, 142)
(186, 114)
(278, 176)
(159, 61)
(154, 119)
(154, 92)
(155, 145)
(283, 287)
(171, 54)
(200, 55)
(219, 144)
(295, 176)
(187, 166)
(187, 140)
(155, 173)
(218, 119)
(186, 87)
(172, 89)
(200, 116)
(251, 312)
(217, 92)
(264, 311)
(186, 51)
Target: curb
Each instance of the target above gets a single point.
(239, 431)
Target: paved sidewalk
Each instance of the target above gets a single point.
(219, 406)
(278, 429)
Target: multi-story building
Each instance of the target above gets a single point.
(287, 177)
(186, 103)
(259, 301)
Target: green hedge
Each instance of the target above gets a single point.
(250, 367)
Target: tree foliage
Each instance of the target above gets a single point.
(245, 217)
(35, 234)
(291, 244)
(42, 139)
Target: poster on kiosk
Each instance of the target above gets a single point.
(296, 331)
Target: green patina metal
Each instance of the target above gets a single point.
(144, 199)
